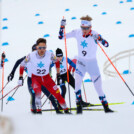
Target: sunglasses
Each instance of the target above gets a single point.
(42, 48)
(85, 28)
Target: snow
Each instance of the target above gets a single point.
(23, 31)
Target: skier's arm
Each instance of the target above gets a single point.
(98, 37)
(11, 75)
(51, 65)
(23, 64)
(71, 63)
(103, 41)
(61, 32)
(56, 62)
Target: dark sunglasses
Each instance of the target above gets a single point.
(42, 48)
(85, 28)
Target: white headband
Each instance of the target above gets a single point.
(59, 55)
(85, 23)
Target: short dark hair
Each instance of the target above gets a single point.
(34, 47)
(41, 40)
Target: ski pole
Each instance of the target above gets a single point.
(67, 67)
(9, 92)
(115, 69)
(12, 89)
(13, 94)
(15, 91)
(2, 63)
(42, 96)
(46, 100)
(84, 91)
(4, 86)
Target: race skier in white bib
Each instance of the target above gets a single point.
(40, 61)
(86, 61)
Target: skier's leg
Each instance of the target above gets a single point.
(72, 83)
(37, 89)
(31, 91)
(97, 81)
(51, 98)
(53, 89)
(63, 90)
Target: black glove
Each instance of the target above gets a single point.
(59, 79)
(10, 77)
(3, 56)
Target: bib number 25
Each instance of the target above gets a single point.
(84, 53)
(39, 71)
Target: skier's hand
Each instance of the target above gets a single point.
(20, 81)
(3, 56)
(59, 79)
(10, 77)
(63, 22)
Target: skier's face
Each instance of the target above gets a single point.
(60, 58)
(85, 30)
(41, 49)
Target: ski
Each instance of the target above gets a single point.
(88, 109)
(92, 105)
(72, 109)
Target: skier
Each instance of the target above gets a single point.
(40, 61)
(29, 83)
(63, 75)
(3, 56)
(86, 62)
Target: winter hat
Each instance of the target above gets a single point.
(59, 52)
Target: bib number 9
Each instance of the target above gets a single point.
(39, 71)
(84, 53)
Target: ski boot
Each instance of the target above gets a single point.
(86, 104)
(105, 104)
(39, 111)
(66, 111)
(33, 111)
(107, 109)
(79, 107)
(58, 111)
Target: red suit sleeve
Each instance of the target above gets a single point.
(72, 68)
(21, 70)
(57, 63)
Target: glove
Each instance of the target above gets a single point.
(3, 56)
(63, 22)
(21, 81)
(105, 43)
(10, 77)
(97, 37)
(59, 79)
